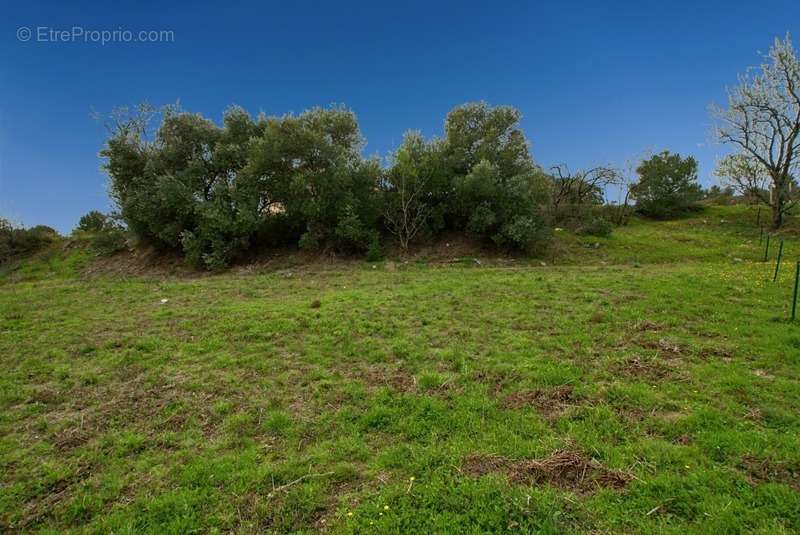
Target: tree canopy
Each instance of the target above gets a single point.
(213, 191)
(667, 185)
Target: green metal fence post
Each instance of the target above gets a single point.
(794, 297)
(778, 263)
(766, 249)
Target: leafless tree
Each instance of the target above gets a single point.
(406, 212)
(583, 186)
(625, 181)
(763, 122)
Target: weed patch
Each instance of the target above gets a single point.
(760, 471)
(564, 469)
(549, 402)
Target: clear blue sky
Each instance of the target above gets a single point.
(597, 82)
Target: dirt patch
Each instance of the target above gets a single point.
(646, 326)
(598, 317)
(143, 262)
(627, 298)
(46, 396)
(133, 401)
(397, 380)
(754, 414)
(683, 440)
(550, 401)
(724, 353)
(767, 471)
(450, 247)
(565, 469)
(653, 369)
(664, 346)
(72, 437)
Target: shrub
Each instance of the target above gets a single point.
(106, 234)
(93, 221)
(112, 239)
(351, 232)
(667, 185)
(374, 251)
(616, 214)
(15, 241)
(596, 226)
(524, 233)
(309, 241)
(215, 191)
(212, 191)
(186, 188)
(720, 196)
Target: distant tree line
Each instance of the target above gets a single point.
(216, 191)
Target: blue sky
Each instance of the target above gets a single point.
(597, 82)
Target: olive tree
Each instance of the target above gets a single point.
(667, 185)
(406, 187)
(762, 121)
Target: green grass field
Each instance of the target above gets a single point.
(642, 383)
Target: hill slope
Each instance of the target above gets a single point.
(644, 384)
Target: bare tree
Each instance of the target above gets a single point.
(625, 182)
(405, 210)
(763, 122)
(582, 187)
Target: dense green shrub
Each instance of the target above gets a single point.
(111, 239)
(216, 191)
(185, 187)
(597, 226)
(213, 190)
(503, 209)
(480, 179)
(17, 241)
(93, 221)
(310, 167)
(667, 185)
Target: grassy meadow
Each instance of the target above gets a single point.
(641, 383)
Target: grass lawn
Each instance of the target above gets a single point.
(644, 383)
